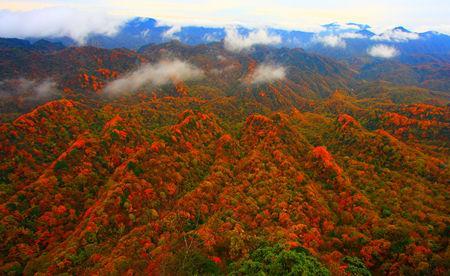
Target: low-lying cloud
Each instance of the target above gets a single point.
(236, 42)
(171, 33)
(268, 73)
(211, 37)
(396, 35)
(383, 51)
(57, 22)
(351, 35)
(34, 89)
(160, 73)
(336, 40)
(345, 26)
(46, 89)
(30, 92)
(333, 41)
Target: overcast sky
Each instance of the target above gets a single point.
(418, 15)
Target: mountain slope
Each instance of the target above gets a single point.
(221, 175)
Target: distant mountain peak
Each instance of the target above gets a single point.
(333, 25)
(365, 32)
(431, 33)
(344, 26)
(401, 29)
(141, 22)
(43, 44)
(361, 26)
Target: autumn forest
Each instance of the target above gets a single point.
(178, 159)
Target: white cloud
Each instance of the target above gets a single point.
(256, 13)
(171, 33)
(236, 42)
(333, 41)
(336, 40)
(46, 88)
(211, 37)
(38, 89)
(216, 71)
(156, 74)
(268, 73)
(383, 51)
(440, 28)
(29, 90)
(56, 22)
(344, 26)
(24, 84)
(145, 32)
(352, 35)
(395, 36)
(221, 58)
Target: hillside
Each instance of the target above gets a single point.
(273, 161)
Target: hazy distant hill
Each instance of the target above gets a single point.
(141, 31)
(422, 58)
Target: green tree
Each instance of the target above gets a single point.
(277, 260)
(356, 267)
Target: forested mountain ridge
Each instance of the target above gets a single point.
(273, 160)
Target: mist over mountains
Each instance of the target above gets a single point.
(339, 40)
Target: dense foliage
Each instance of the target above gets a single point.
(315, 174)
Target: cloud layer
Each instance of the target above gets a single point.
(46, 89)
(268, 73)
(333, 41)
(57, 22)
(31, 92)
(396, 35)
(155, 74)
(351, 35)
(383, 51)
(336, 40)
(170, 34)
(36, 89)
(236, 42)
(306, 15)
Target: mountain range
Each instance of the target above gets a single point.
(143, 155)
(138, 32)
